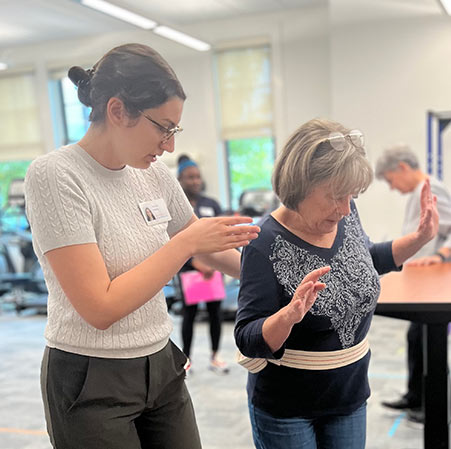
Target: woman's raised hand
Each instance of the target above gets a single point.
(211, 235)
(305, 295)
(428, 226)
(277, 327)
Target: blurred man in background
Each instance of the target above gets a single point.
(399, 166)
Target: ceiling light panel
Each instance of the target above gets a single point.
(120, 13)
(181, 38)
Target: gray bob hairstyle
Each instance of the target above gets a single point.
(392, 156)
(308, 159)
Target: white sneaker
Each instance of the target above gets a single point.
(218, 366)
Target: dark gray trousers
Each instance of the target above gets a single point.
(100, 403)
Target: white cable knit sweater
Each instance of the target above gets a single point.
(72, 199)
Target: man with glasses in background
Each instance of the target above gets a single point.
(399, 166)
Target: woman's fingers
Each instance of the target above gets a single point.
(303, 289)
(236, 219)
(306, 294)
(308, 289)
(237, 226)
(216, 234)
(243, 229)
(319, 286)
(303, 300)
(427, 215)
(426, 194)
(237, 238)
(316, 274)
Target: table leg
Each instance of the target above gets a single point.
(435, 381)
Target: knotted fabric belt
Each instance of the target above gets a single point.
(312, 360)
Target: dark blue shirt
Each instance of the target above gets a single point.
(272, 268)
(205, 207)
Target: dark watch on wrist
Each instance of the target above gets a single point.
(441, 256)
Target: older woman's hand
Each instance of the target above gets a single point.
(406, 246)
(277, 327)
(305, 295)
(428, 226)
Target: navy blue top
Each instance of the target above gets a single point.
(205, 207)
(272, 268)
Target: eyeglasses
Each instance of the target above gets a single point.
(338, 140)
(167, 132)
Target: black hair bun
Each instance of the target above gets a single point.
(78, 75)
(82, 79)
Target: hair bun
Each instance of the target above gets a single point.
(82, 79)
(78, 75)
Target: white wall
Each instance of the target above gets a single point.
(386, 75)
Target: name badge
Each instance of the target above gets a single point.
(155, 211)
(206, 211)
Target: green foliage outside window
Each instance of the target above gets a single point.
(10, 170)
(11, 218)
(250, 164)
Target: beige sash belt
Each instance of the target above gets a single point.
(313, 360)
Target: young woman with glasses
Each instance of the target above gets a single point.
(111, 377)
(309, 287)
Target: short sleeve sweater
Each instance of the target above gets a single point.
(272, 267)
(72, 199)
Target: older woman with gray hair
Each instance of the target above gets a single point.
(392, 156)
(303, 340)
(399, 167)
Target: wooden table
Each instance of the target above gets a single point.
(423, 294)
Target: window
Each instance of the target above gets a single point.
(245, 96)
(69, 116)
(76, 114)
(12, 216)
(20, 133)
(250, 163)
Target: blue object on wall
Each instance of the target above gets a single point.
(434, 138)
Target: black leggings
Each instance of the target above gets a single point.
(189, 315)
